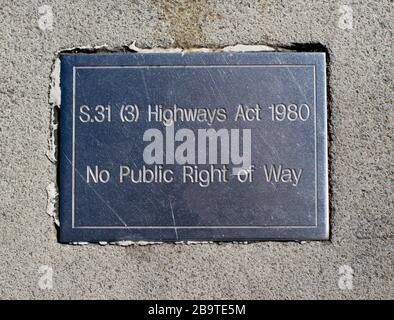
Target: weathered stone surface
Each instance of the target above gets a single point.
(361, 152)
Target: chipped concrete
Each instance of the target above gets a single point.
(361, 152)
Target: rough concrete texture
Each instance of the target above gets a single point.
(361, 152)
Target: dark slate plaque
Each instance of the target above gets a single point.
(194, 146)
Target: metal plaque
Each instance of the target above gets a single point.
(193, 146)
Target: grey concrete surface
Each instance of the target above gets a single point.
(361, 152)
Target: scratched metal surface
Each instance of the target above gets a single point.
(287, 195)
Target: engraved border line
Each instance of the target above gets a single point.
(191, 227)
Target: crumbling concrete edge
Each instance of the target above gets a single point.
(52, 200)
(54, 98)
